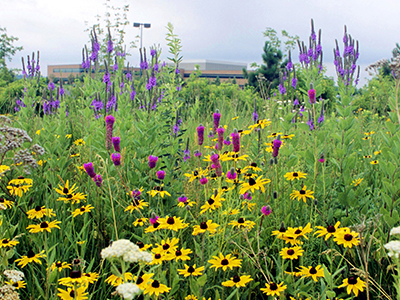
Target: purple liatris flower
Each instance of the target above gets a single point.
(215, 160)
(51, 86)
(98, 180)
(200, 134)
(217, 117)
(235, 140)
(227, 141)
(116, 158)
(203, 180)
(231, 174)
(311, 95)
(276, 145)
(106, 78)
(266, 210)
(116, 140)
(161, 174)
(109, 130)
(176, 71)
(144, 65)
(152, 161)
(220, 132)
(89, 169)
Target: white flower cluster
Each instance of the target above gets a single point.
(395, 230)
(128, 290)
(14, 275)
(394, 248)
(126, 250)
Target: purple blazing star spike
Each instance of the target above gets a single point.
(116, 143)
(266, 210)
(109, 130)
(98, 180)
(110, 46)
(321, 116)
(152, 161)
(217, 117)
(289, 66)
(275, 148)
(302, 109)
(116, 158)
(235, 140)
(178, 88)
(89, 169)
(231, 174)
(133, 94)
(220, 132)
(176, 71)
(294, 82)
(128, 76)
(161, 174)
(153, 81)
(217, 166)
(255, 115)
(311, 95)
(148, 86)
(144, 65)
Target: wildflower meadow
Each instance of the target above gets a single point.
(140, 185)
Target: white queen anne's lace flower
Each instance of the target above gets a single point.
(395, 230)
(128, 290)
(14, 275)
(126, 250)
(394, 248)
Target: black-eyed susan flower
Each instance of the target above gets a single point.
(158, 258)
(155, 287)
(233, 156)
(140, 222)
(205, 226)
(39, 212)
(73, 293)
(17, 285)
(3, 168)
(75, 277)
(90, 277)
(142, 246)
(346, 237)
(303, 194)
(353, 284)
(79, 142)
(30, 257)
(366, 138)
(80, 211)
(237, 281)
(115, 280)
(19, 186)
(367, 156)
(291, 253)
(143, 281)
(225, 262)
(182, 254)
(369, 133)
(253, 167)
(66, 189)
(260, 124)
(357, 182)
(275, 134)
(8, 243)
(313, 272)
(60, 266)
(136, 205)
(172, 223)
(242, 223)
(212, 203)
(158, 190)
(377, 152)
(153, 227)
(196, 174)
(300, 231)
(328, 231)
(6, 203)
(166, 246)
(287, 136)
(295, 175)
(192, 270)
(231, 212)
(44, 226)
(280, 232)
(273, 289)
(254, 184)
(374, 162)
(249, 205)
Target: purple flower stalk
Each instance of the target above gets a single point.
(161, 174)
(216, 163)
(227, 141)
(136, 194)
(200, 134)
(231, 174)
(152, 161)
(296, 102)
(235, 140)
(186, 154)
(51, 86)
(116, 140)
(311, 95)
(275, 148)
(197, 153)
(266, 210)
(89, 169)
(152, 52)
(110, 46)
(109, 130)
(116, 158)
(220, 132)
(217, 117)
(282, 89)
(98, 180)
(321, 116)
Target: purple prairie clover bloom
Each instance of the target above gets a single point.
(197, 153)
(116, 143)
(51, 86)
(311, 95)
(89, 169)
(203, 180)
(266, 210)
(136, 194)
(247, 196)
(220, 132)
(217, 117)
(275, 148)
(210, 134)
(116, 158)
(98, 180)
(161, 174)
(152, 161)
(235, 140)
(183, 199)
(282, 89)
(109, 130)
(154, 220)
(322, 158)
(227, 141)
(231, 174)
(215, 160)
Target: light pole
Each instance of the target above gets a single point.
(141, 25)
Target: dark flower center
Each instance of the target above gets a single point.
(140, 244)
(72, 294)
(157, 256)
(15, 284)
(171, 221)
(30, 254)
(273, 286)
(290, 252)
(241, 221)
(295, 174)
(190, 269)
(236, 279)
(298, 231)
(76, 262)
(82, 208)
(210, 201)
(5, 241)
(252, 181)
(58, 264)
(331, 229)
(155, 284)
(44, 225)
(178, 253)
(282, 229)
(253, 164)
(348, 237)
(65, 190)
(195, 173)
(139, 220)
(2, 200)
(214, 175)
(38, 208)
(239, 170)
(313, 271)
(165, 246)
(75, 274)
(302, 192)
(139, 280)
(203, 225)
(224, 188)
(69, 196)
(156, 224)
(135, 202)
(224, 262)
(352, 280)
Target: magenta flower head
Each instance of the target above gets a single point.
(98, 180)
(266, 210)
(200, 134)
(203, 180)
(235, 140)
(311, 94)
(116, 158)
(183, 198)
(197, 153)
(220, 132)
(231, 174)
(152, 161)
(217, 117)
(109, 130)
(227, 141)
(89, 169)
(214, 158)
(276, 144)
(153, 219)
(116, 140)
(161, 174)
(322, 158)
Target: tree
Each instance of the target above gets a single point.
(7, 49)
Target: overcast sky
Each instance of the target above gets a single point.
(229, 30)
